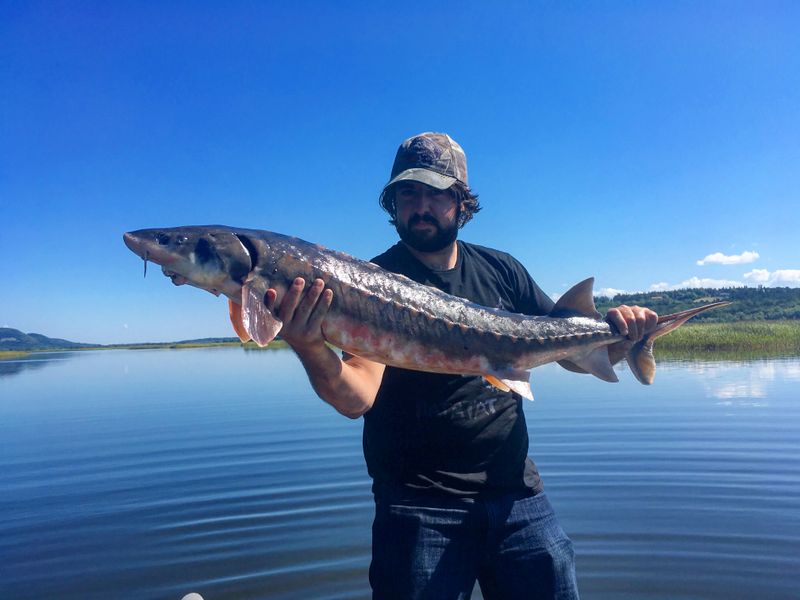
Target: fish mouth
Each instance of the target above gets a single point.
(177, 278)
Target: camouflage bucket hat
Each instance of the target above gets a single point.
(435, 159)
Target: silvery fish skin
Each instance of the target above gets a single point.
(387, 317)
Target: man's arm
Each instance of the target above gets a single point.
(350, 385)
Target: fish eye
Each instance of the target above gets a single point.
(181, 239)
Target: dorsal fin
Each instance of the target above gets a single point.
(577, 302)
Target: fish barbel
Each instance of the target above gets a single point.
(388, 318)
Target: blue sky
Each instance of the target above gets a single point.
(628, 141)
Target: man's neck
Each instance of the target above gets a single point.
(441, 260)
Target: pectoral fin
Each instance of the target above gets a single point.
(261, 325)
(235, 312)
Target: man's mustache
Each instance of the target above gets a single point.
(422, 219)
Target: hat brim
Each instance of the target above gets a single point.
(431, 178)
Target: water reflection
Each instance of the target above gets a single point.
(160, 472)
(37, 360)
(751, 379)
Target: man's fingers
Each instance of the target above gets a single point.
(306, 306)
(632, 321)
(321, 309)
(291, 299)
(633, 325)
(651, 320)
(616, 318)
(629, 313)
(270, 298)
(641, 322)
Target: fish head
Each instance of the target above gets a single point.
(212, 258)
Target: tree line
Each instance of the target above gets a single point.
(748, 303)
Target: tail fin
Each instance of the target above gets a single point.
(640, 356)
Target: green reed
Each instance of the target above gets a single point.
(739, 339)
(11, 354)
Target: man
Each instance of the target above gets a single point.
(457, 499)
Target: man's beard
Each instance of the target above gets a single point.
(421, 241)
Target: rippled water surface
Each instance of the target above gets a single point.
(150, 474)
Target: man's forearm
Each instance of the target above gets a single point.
(347, 388)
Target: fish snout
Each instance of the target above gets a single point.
(133, 242)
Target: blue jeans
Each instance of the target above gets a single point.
(430, 546)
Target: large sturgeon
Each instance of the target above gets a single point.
(390, 319)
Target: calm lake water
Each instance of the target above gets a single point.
(151, 474)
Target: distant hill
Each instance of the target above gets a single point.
(211, 340)
(14, 339)
(749, 304)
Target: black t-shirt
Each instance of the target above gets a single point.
(453, 433)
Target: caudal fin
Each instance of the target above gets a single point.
(640, 357)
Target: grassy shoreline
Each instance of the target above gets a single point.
(275, 345)
(739, 339)
(12, 354)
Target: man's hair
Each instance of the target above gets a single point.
(466, 202)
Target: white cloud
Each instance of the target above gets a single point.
(696, 282)
(609, 292)
(718, 258)
(781, 277)
(758, 275)
(788, 277)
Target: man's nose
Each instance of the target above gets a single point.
(423, 202)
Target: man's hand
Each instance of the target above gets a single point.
(632, 321)
(349, 386)
(302, 315)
